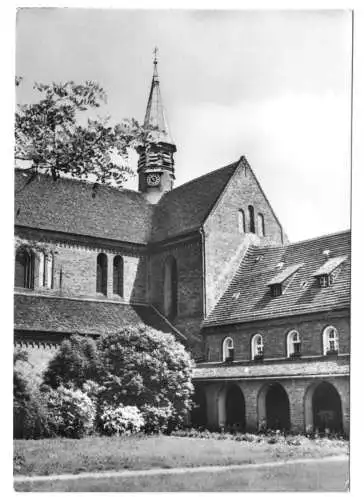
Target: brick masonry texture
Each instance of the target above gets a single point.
(274, 333)
(224, 244)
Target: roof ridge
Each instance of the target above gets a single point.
(337, 233)
(236, 163)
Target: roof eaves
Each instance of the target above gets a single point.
(252, 318)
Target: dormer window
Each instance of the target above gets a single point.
(326, 273)
(282, 279)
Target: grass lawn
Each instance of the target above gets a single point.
(322, 476)
(60, 456)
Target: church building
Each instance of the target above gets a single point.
(267, 321)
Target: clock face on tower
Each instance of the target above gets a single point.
(153, 179)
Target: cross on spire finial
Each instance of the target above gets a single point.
(155, 62)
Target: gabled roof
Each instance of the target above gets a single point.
(35, 313)
(186, 207)
(248, 298)
(329, 266)
(73, 206)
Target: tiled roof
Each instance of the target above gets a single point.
(72, 206)
(186, 207)
(61, 315)
(248, 297)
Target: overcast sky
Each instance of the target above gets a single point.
(273, 86)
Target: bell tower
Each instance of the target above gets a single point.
(156, 162)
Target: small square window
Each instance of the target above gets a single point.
(325, 280)
(276, 290)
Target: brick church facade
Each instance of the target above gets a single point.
(266, 321)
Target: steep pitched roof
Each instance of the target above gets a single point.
(72, 206)
(186, 207)
(155, 116)
(35, 313)
(248, 297)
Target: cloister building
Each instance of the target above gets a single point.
(267, 321)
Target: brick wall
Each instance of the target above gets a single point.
(190, 292)
(74, 272)
(224, 243)
(274, 333)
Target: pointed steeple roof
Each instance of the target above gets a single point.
(155, 116)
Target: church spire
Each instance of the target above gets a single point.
(156, 162)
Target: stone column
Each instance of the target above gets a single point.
(250, 391)
(296, 392)
(212, 395)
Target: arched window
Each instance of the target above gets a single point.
(241, 221)
(257, 346)
(118, 276)
(101, 274)
(330, 340)
(293, 344)
(261, 229)
(251, 219)
(170, 288)
(48, 270)
(228, 349)
(24, 269)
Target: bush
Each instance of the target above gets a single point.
(29, 407)
(71, 413)
(156, 419)
(146, 368)
(76, 362)
(121, 420)
(30, 416)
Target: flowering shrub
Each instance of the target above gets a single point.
(71, 413)
(121, 420)
(156, 419)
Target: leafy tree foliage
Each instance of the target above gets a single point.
(51, 137)
(76, 362)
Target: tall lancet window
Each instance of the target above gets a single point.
(251, 219)
(170, 287)
(101, 274)
(261, 228)
(241, 221)
(118, 276)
